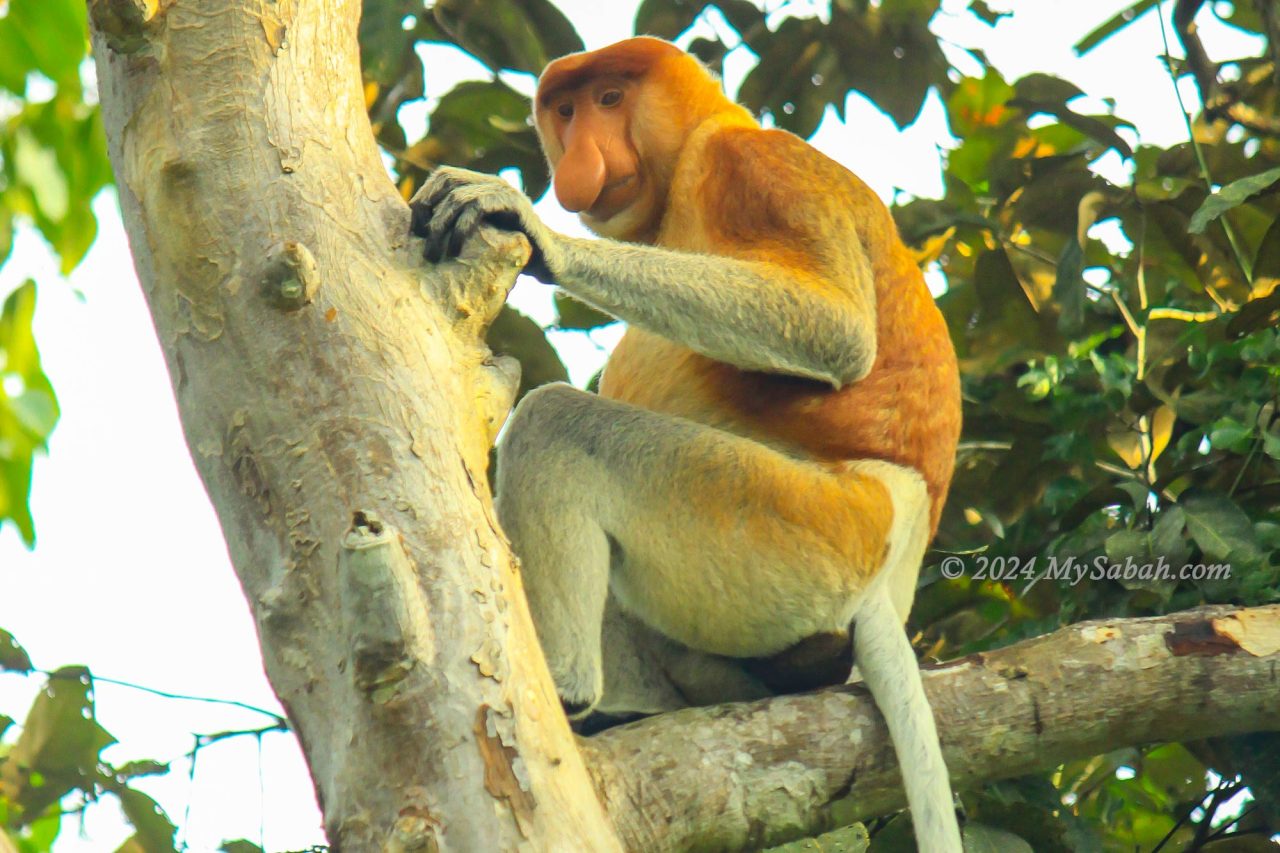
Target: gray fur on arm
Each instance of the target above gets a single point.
(751, 314)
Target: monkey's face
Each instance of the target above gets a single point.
(598, 172)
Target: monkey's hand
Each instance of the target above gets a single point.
(453, 204)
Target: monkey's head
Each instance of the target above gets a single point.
(612, 123)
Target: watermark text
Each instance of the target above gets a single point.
(1072, 570)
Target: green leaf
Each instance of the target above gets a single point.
(1047, 89)
(18, 354)
(154, 831)
(1069, 288)
(1232, 195)
(989, 839)
(890, 55)
(1044, 93)
(667, 18)
(575, 314)
(1166, 538)
(523, 35)
(1221, 528)
(747, 19)
(13, 658)
(985, 13)
(1230, 434)
(979, 103)
(846, 839)
(514, 334)
(16, 59)
(135, 769)
(28, 408)
(37, 411)
(37, 168)
(58, 749)
(797, 76)
(386, 47)
(1164, 546)
(54, 34)
(6, 234)
(15, 491)
(240, 846)
(483, 126)
(1113, 25)
(39, 835)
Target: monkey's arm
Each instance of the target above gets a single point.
(754, 314)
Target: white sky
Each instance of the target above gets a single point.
(130, 576)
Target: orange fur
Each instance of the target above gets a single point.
(766, 195)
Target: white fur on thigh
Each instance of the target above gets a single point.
(908, 534)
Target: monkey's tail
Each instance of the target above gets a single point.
(889, 667)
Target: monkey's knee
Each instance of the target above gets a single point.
(534, 464)
(537, 423)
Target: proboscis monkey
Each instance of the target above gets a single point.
(774, 436)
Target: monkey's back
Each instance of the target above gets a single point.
(906, 410)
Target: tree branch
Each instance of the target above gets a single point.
(749, 775)
(1218, 103)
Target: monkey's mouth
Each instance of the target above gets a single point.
(616, 196)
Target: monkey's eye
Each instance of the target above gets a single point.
(565, 110)
(611, 98)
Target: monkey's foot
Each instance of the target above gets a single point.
(579, 688)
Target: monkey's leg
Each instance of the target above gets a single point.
(634, 658)
(647, 673)
(715, 541)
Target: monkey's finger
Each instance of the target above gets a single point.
(446, 213)
(437, 243)
(419, 218)
(467, 224)
(437, 186)
(431, 243)
(434, 250)
(441, 224)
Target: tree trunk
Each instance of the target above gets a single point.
(339, 406)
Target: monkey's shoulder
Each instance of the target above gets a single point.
(747, 187)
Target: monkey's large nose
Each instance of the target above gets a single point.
(580, 174)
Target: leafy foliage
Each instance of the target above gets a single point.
(53, 162)
(28, 408)
(57, 757)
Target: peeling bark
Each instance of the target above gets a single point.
(340, 403)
